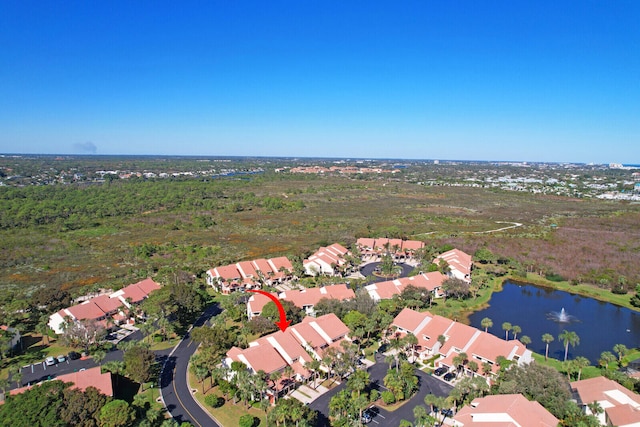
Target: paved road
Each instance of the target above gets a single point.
(367, 271)
(428, 384)
(173, 380)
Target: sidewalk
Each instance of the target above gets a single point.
(306, 394)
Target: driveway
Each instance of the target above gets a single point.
(428, 384)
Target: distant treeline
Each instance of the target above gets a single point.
(73, 207)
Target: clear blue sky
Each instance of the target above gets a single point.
(477, 80)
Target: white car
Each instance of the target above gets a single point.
(50, 361)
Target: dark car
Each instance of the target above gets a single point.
(441, 370)
(449, 376)
(447, 412)
(73, 355)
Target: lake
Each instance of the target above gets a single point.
(600, 325)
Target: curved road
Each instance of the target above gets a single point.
(174, 389)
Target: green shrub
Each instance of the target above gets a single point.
(388, 397)
(246, 421)
(214, 401)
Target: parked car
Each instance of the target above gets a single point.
(50, 361)
(62, 358)
(449, 376)
(441, 370)
(73, 355)
(447, 412)
(366, 417)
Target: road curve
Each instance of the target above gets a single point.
(174, 388)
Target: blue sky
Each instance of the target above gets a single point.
(473, 80)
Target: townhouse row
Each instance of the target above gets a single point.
(105, 308)
(296, 347)
(446, 338)
(249, 274)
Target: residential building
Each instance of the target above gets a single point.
(305, 299)
(621, 406)
(374, 247)
(326, 260)
(104, 307)
(460, 264)
(294, 347)
(446, 338)
(249, 274)
(430, 282)
(81, 380)
(504, 410)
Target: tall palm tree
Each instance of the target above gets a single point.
(525, 340)
(606, 357)
(288, 372)
(506, 326)
(547, 339)
(621, 349)
(516, 330)
(568, 337)
(486, 323)
(581, 362)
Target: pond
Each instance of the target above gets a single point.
(536, 310)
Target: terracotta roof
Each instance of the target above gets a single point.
(86, 310)
(147, 285)
(281, 262)
(91, 377)
(311, 296)
(505, 410)
(602, 389)
(106, 304)
(623, 415)
(366, 242)
(457, 259)
(257, 302)
(263, 358)
(246, 269)
(412, 245)
(459, 336)
(330, 324)
(227, 272)
(409, 319)
(262, 265)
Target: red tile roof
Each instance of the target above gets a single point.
(82, 380)
(505, 410)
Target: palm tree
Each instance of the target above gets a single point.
(473, 367)
(459, 360)
(581, 362)
(568, 337)
(314, 367)
(516, 330)
(547, 339)
(487, 368)
(595, 408)
(606, 357)
(506, 326)
(288, 372)
(486, 323)
(525, 340)
(98, 356)
(621, 349)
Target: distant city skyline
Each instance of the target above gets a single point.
(499, 81)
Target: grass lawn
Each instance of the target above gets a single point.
(588, 372)
(228, 414)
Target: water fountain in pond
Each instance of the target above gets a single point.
(561, 316)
